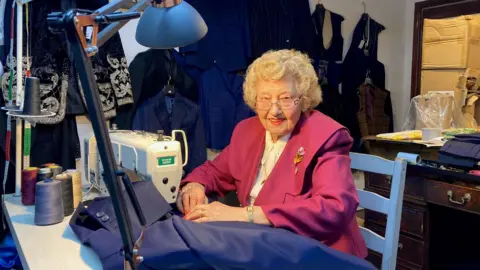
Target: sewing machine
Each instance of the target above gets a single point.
(150, 156)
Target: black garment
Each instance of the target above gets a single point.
(150, 73)
(334, 52)
(327, 62)
(166, 113)
(367, 30)
(50, 62)
(359, 63)
(281, 24)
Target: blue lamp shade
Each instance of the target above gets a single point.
(165, 28)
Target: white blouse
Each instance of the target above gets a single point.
(271, 154)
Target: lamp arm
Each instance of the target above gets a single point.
(113, 28)
(72, 23)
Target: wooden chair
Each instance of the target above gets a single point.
(392, 207)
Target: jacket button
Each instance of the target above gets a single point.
(105, 218)
(100, 214)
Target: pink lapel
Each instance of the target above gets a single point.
(283, 179)
(252, 154)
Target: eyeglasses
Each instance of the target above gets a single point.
(264, 103)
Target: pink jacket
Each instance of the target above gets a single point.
(318, 200)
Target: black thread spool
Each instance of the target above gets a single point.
(44, 174)
(67, 192)
(32, 104)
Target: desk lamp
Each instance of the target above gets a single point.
(164, 24)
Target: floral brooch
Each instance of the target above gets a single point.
(298, 158)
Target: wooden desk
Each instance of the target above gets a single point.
(46, 247)
(435, 233)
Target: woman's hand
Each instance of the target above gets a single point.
(192, 194)
(216, 211)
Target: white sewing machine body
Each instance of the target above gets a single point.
(151, 156)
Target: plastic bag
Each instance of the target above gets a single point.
(436, 110)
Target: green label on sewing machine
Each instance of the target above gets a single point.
(162, 161)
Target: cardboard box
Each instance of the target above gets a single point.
(447, 80)
(451, 43)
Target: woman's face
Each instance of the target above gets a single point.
(278, 106)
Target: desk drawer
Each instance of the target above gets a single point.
(411, 223)
(413, 184)
(409, 249)
(454, 196)
(376, 259)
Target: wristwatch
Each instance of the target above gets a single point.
(250, 213)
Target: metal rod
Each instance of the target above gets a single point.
(113, 28)
(95, 111)
(111, 7)
(19, 101)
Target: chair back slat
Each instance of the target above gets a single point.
(392, 207)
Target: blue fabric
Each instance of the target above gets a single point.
(281, 24)
(164, 113)
(174, 243)
(227, 42)
(8, 253)
(222, 105)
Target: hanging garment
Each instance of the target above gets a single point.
(174, 243)
(375, 115)
(165, 113)
(365, 36)
(222, 105)
(150, 71)
(50, 62)
(360, 62)
(281, 24)
(227, 43)
(331, 50)
(327, 59)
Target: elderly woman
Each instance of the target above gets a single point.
(290, 165)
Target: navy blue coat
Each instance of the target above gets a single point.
(227, 43)
(164, 113)
(222, 105)
(174, 243)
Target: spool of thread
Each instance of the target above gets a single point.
(67, 192)
(48, 202)
(29, 180)
(56, 169)
(44, 174)
(46, 165)
(77, 186)
(32, 102)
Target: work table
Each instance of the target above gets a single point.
(46, 247)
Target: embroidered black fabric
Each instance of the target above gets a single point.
(50, 61)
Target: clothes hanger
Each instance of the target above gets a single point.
(368, 80)
(319, 4)
(365, 14)
(169, 89)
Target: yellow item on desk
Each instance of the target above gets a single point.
(451, 132)
(403, 135)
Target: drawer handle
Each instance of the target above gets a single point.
(389, 179)
(465, 199)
